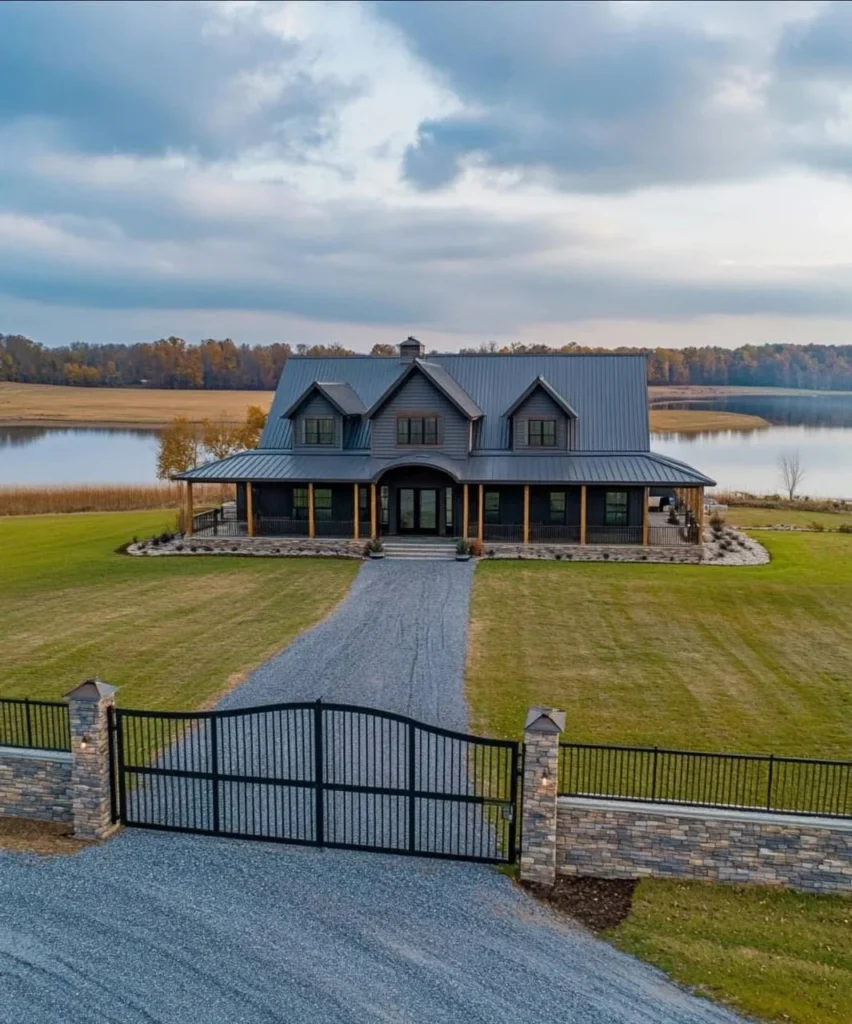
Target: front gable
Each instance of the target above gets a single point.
(316, 407)
(540, 407)
(418, 397)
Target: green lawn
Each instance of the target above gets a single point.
(754, 518)
(780, 956)
(170, 632)
(712, 658)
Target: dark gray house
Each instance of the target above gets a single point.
(516, 448)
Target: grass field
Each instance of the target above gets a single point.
(697, 421)
(780, 956)
(172, 633)
(754, 518)
(33, 405)
(740, 659)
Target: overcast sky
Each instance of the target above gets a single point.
(624, 173)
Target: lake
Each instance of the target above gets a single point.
(818, 427)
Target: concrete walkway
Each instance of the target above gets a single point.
(175, 929)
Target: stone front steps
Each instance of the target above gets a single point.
(421, 549)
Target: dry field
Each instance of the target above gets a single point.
(696, 421)
(27, 501)
(46, 405)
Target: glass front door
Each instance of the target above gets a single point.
(417, 510)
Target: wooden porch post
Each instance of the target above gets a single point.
(526, 513)
(465, 510)
(481, 510)
(356, 524)
(701, 514)
(583, 514)
(249, 509)
(646, 522)
(189, 509)
(374, 527)
(312, 526)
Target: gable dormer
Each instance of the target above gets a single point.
(425, 408)
(320, 415)
(541, 420)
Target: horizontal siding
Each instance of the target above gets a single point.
(539, 406)
(317, 406)
(420, 397)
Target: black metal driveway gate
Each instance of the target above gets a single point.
(319, 774)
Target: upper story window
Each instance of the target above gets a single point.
(541, 433)
(317, 430)
(417, 430)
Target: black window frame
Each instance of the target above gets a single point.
(616, 512)
(537, 437)
(323, 504)
(417, 431)
(491, 515)
(315, 433)
(300, 503)
(558, 517)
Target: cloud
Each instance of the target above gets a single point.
(150, 78)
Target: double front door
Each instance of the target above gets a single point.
(417, 509)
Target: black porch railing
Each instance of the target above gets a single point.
(670, 536)
(614, 534)
(781, 785)
(41, 724)
(214, 524)
(344, 528)
(280, 526)
(554, 533)
(505, 533)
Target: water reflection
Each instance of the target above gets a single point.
(20, 435)
(780, 410)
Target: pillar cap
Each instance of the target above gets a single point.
(91, 689)
(544, 720)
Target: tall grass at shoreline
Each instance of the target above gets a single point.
(28, 501)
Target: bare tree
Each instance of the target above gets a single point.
(792, 472)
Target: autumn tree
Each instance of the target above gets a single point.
(179, 448)
(249, 433)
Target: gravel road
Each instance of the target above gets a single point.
(397, 642)
(159, 928)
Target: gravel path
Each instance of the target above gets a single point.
(397, 642)
(175, 929)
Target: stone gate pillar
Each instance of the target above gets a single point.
(88, 715)
(541, 771)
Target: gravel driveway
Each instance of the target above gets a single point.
(176, 929)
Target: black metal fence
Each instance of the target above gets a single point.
(41, 724)
(614, 534)
(554, 533)
(214, 524)
(506, 533)
(782, 785)
(280, 526)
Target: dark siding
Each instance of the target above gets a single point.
(540, 504)
(539, 406)
(420, 397)
(596, 505)
(318, 405)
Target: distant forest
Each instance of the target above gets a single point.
(175, 363)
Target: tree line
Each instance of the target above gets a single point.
(176, 363)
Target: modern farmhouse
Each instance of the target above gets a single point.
(516, 448)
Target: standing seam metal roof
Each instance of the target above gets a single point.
(608, 393)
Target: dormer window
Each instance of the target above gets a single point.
(318, 430)
(541, 433)
(416, 430)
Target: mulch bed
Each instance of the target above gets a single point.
(597, 903)
(26, 835)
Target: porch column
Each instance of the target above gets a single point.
(465, 510)
(189, 510)
(646, 522)
(356, 524)
(249, 509)
(374, 526)
(312, 526)
(526, 513)
(701, 515)
(481, 510)
(583, 514)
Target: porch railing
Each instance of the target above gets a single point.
(280, 526)
(503, 533)
(214, 524)
(554, 533)
(334, 527)
(614, 534)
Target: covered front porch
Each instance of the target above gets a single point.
(425, 502)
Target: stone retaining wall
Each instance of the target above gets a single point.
(35, 784)
(274, 547)
(610, 839)
(688, 554)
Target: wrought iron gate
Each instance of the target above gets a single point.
(319, 774)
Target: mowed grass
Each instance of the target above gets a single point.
(779, 956)
(57, 405)
(172, 633)
(750, 659)
(755, 518)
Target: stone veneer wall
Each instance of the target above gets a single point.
(687, 553)
(275, 547)
(35, 784)
(610, 839)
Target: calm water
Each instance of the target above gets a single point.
(819, 428)
(39, 455)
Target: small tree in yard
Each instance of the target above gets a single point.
(792, 472)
